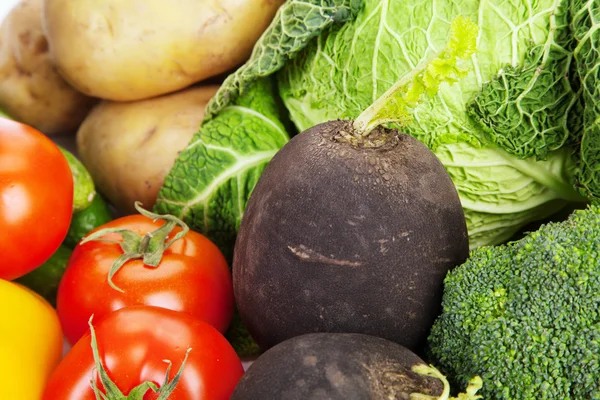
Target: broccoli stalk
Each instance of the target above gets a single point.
(429, 370)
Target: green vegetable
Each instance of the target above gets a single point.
(296, 23)
(45, 279)
(210, 183)
(84, 190)
(346, 69)
(531, 109)
(241, 341)
(585, 24)
(98, 213)
(524, 316)
(398, 102)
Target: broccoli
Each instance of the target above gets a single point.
(525, 316)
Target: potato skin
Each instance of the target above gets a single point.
(31, 90)
(136, 49)
(129, 147)
(339, 239)
(335, 366)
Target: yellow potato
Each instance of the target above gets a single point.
(129, 147)
(136, 49)
(31, 90)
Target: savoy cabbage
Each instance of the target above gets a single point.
(503, 132)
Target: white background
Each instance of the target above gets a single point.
(5, 6)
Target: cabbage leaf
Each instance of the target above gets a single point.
(296, 23)
(210, 183)
(532, 109)
(586, 30)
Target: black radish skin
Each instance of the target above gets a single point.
(340, 237)
(335, 366)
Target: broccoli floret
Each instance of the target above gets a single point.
(525, 316)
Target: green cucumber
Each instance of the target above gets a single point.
(98, 213)
(45, 279)
(84, 190)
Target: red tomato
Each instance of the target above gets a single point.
(192, 276)
(133, 344)
(36, 198)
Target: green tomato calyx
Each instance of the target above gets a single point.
(112, 392)
(149, 247)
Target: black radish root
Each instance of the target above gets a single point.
(338, 238)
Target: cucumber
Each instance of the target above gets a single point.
(98, 213)
(84, 190)
(45, 279)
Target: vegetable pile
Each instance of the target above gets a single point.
(300, 199)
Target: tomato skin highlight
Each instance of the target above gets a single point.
(192, 277)
(133, 344)
(31, 342)
(36, 198)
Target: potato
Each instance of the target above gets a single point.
(31, 90)
(129, 147)
(136, 49)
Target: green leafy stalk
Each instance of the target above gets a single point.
(149, 247)
(475, 384)
(395, 104)
(137, 393)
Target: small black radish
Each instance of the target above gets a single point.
(344, 366)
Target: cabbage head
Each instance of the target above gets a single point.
(505, 132)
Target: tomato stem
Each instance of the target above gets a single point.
(149, 247)
(137, 393)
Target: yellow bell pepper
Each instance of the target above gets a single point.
(31, 342)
